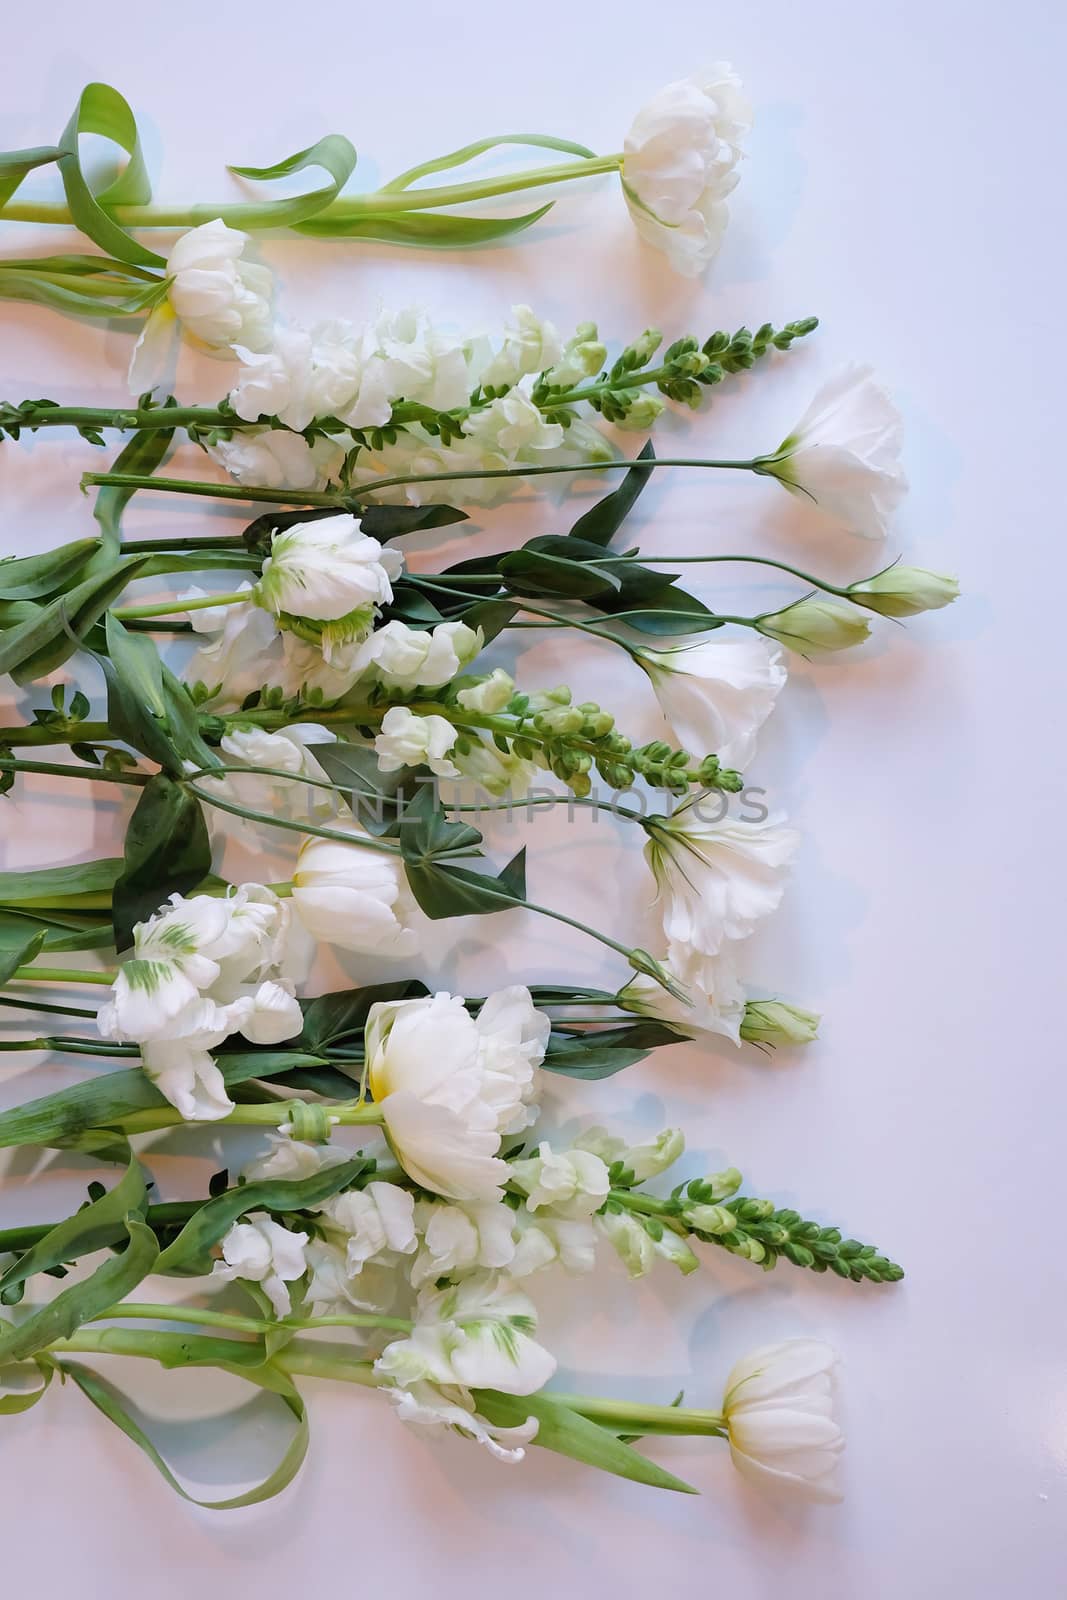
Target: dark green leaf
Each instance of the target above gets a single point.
(393, 522)
(167, 851)
(376, 797)
(605, 1051)
(601, 522)
(84, 884)
(34, 577)
(673, 614)
(109, 1284)
(92, 1228)
(333, 1018)
(41, 643)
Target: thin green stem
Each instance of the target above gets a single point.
(35, 974)
(359, 841)
(760, 561)
(39, 733)
(88, 774)
(165, 608)
(598, 631)
(271, 1115)
(26, 1004)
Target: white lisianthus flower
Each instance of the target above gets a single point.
(542, 1241)
(477, 1333)
(568, 1183)
(717, 694)
(815, 627)
(679, 165)
(844, 453)
(717, 879)
(489, 695)
(353, 896)
(530, 346)
(220, 298)
(426, 1405)
(457, 1239)
(410, 741)
(287, 1157)
(779, 1414)
(905, 591)
(375, 1221)
(328, 570)
(714, 997)
(413, 658)
(274, 458)
(643, 1160)
(449, 1085)
(262, 1251)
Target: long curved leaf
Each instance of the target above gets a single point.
(15, 164)
(601, 522)
(102, 110)
(470, 152)
(334, 154)
(109, 1284)
(92, 1228)
(432, 228)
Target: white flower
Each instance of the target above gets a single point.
(181, 1066)
(779, 1414)
(717, 879)
(288, 750)
(542, 1240)
(489, 695)
(410, 741)
(530, 346)
(638, 1249)
(274, 1015)
(450, 1085)
(477, 1333)
(815, 626)
(844, 453)
(458, 1239)
(327, 570)
(679, 165)
(643, 1160)
(406, 356)
(714, 997)
(413, 658)
(497, 772)
(905, 591)
(425, 1405)
(262, 1251)
(570, 1183)
(512, 426)
(220, 298)
(716, 694)
(273, 458)
(240, 655)
(352, 895)
(583, 356)
(276, 382)
(333, 1289)
(375, 1220)
(293, 1158)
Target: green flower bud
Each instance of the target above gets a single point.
(640, 353)
(545, 699)
(642, 414)
(905, 591)
(772, 1022)
(710, 1219)
(673, 1248)
(721, 1185)
(814, 626)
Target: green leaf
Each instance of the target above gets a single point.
(83, 885)
(15, 164)
(568, 1433)
(422, 228)
(470, 152)
(393, 522)
(109, 1284)
(332, 1019)
(334, 154)
(600, 1054)
(103, 111)
(601, 522)
(167, 851)
(145, 452)
(428, 840)
(78, 296)
(11, 1404)
(190, 1253)
(111, 1404)
(138, 664)
(673, 614)
(377, 798)
(92, 1228)
(15, 955)
(41, 643)
(33, 577)
(492, 616)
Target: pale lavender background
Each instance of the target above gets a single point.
(903, 183)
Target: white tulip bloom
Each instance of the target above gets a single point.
(716, 694)
(717, 879)
(426, 1405)
(542, 1241)
(457, 1239)
(844, 453)
(680, 160)
(406, 740)
(414, 658)
(262, 1251)
(329, 571)
(220, 298)
(274, 1015)
(477, 1334)
(449, 1085)
(568, 1183)
(530, 346)
(352, 895)
(780, 1418)
(181, 1065)
(273, 458)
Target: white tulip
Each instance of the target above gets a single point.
(717, 878)
(352, 895)
(477, 1334)
(457, 1239)
(328, 570)
(680, 159)
(717, 694)
(568, 1183)
(425, 1405)
(530, 346)
(220, 298)
(180, 1063)
(275, 1015)
(406, 740)
(273, 458)
(780, 1418)
(375, 1221)
(449, 1085)
(262, 1251)
(844, 453)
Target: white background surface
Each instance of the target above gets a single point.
(903, 183)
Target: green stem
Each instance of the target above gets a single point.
(38, 733)
(88, 774)
(165, 608)
(359, 841)
(37, 974)
(253, 1116)
(761, 561)
(74, 1047)
(145, 1312)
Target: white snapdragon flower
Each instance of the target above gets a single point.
(449, 1085)
(530, 346)
(583, 356)
(568, 1183)
(328, 571)
(276, 382)
(497, 772)
(460, 1238)
(353, 896)
(717, 879)
(714, 996)
(679, 165)
(780, 1418)
(638, 1249)
(643, 1160)
(477, 1334)
(717, 694)
(844, 453)
(417, 361)
(410, 741)
(287, 1157)
(375, 1221)
(542, 1241)
(512, 427)
(414, 658)
(289, 750)
(273, 458)
(262, 1251)
(489, 695)
(333, 1289)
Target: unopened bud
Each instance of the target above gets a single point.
(905, 591)
(814, 626)
(772, 1022)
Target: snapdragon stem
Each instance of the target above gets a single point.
(349, 208)
(39, 733)
(87, 773)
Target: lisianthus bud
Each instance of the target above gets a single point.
(779, 1415)
(905, 591)
(772, 1022)
(814, 626)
